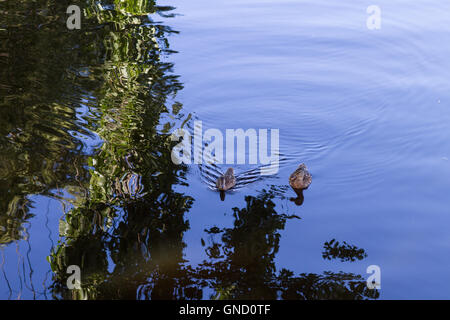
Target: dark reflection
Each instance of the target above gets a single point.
(344, 252)
(90, 112)
(299, 199)
(329, 285)
(38, 148)
(127, 233)
(241, 265)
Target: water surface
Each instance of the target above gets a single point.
(87, 177)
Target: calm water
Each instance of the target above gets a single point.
(87, 177)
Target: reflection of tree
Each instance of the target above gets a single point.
(12, 219)
(131, 222)
(343, 252)
(126, 222)
(50, 79)
(324, 286)
(248, 249)
(242, 265)
(38, 152)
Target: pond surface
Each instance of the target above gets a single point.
(87, 177)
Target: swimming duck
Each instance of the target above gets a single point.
(300, 179)
(226, 182)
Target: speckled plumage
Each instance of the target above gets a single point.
(227, 181)
(300, 179)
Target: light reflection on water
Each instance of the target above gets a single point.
(85, 155)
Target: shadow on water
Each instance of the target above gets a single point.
(86, 119)
(241, 263)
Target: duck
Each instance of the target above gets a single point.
(300, 179)
(226, 182)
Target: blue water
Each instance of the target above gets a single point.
(366, 110)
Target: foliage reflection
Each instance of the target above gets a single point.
(86, 118)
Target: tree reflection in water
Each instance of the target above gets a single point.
(241, 265)
(90, 112)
